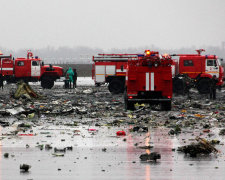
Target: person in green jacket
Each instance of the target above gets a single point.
(70, 74)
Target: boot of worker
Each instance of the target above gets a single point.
(214, 94)
(74, 84)
(210, 95)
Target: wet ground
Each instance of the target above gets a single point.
(87, 120)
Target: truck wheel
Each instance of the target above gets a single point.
(128, 105)
(203, 86)
(116, 86)
(47, 83)
(166, 106)
(178, 86)
(97, 84)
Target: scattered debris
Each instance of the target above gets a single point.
(24, 90)
(69, 148)
(4, 124)
(59, 150)
(83, 113)
(58, 154)
(25, 167)
(6, 155)
(222, 132)
(202, 147)
(120, 133)
(150, 157)
(176, 130)
(139, 129)
(48, 147)
(104, 149)
(146, 147)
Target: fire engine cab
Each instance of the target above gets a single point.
(149, 80)
(200, 68)
(111, 69)
(30, 69)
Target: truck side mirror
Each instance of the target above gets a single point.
(42, 63)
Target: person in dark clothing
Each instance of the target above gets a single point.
(74, 78)
(1, 82)
(213, 83)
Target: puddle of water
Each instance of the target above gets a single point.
(121, 160)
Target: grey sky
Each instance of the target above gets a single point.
(111, 23)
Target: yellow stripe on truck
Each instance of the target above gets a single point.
(121, 74)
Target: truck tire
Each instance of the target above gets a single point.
(166, 106)
(97, 84)
(47, 83)
(203, 86)
(127, 105)
(178, 86)
(116, 86)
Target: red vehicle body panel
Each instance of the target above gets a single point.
(105, 61)
(198, 66)
(6, 66)
(149, 79)
(22, 68)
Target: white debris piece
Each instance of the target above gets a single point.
(15, 111)
(88, 91)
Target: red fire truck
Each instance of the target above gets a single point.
(199, 68)
(149, 80)
(111, 69)
(30, 69)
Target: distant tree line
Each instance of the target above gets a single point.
(83, 55)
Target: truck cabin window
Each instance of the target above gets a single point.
(20, 63)
(35, 63)
(211, 62)
(188, 63)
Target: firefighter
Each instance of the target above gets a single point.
(74, 78)
(213, 83)
(1, 81)
(70, 74)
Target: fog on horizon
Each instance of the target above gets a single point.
(167, 24)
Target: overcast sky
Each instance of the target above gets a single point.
(111, 23)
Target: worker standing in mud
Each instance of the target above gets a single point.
(70, 74)
(213, 83)
(74, 78)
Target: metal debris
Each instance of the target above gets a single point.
(150, 157)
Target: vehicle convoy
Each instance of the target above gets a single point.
(149, 80)
(198, 68)
(111, 69)
(30, 69)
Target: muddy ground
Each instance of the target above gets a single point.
(72, 134)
